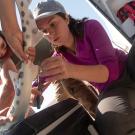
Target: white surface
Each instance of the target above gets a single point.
(49, 98)
(128, 27)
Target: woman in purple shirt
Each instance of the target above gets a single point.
(86, 53)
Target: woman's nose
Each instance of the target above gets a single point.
(51, 31)
(51, 35)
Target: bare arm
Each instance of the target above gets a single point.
(92, 73)
(8, 90)
(57, 68)
(7, 96)
(10, 27)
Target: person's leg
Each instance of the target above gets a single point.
(64, 118)
(115, 110)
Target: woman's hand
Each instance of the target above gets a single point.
(31, 53)
(29, 112)
(4, 111)
(3, 118)
(56, 68)
(35, 92)
(16, 45)
(10, 27)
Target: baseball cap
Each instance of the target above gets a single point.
(48, 8)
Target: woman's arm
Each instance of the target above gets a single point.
(8, 89)
(57, 68)
(91, 73)
(7, 95)
(10, 27)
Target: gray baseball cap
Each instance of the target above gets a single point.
(48, 8)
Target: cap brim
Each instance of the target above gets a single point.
(44, 15)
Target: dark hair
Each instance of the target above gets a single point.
(76, 27)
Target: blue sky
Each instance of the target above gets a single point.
(77, 8)
(82, 8)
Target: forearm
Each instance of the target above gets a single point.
(8, 17)
(91, 73)
(11, 28)
(6, 97)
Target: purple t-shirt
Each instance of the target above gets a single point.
(96, 48)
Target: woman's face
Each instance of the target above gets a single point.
(55, 29)
(3, 47)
